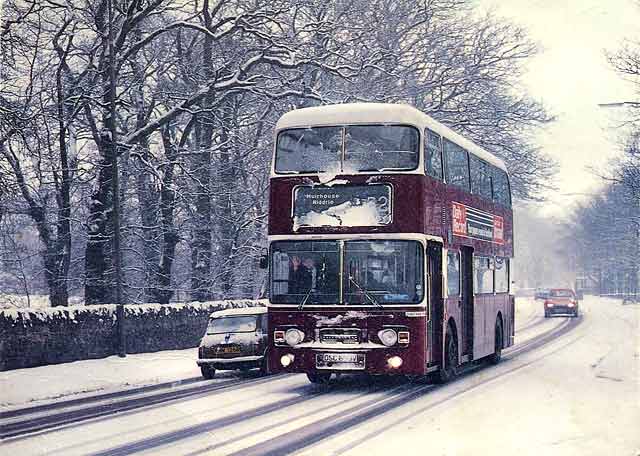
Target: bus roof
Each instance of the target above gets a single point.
(379, 113)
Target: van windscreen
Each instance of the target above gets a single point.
(222, 325)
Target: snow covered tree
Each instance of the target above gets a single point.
(198, 88)
(36, 139)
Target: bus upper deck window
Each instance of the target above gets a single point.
(480, 177)
(433, 154)
(501, 192)
(309, 150)
(457, 165)
(381, 147)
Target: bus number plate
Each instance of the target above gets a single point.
(346, 361)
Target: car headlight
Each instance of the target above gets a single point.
(293, 336)
(388, 337)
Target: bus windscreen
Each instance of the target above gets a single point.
(305, 272)
(390, 272)
(367, 148)
(375, 272)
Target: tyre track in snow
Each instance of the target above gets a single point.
(530, 320)
(36, 422)
(318, 430)
(57, 405)
(407, 417)
(531, 323)
(273, 425)
(567, 324)
(31, 421)
(308, 394)
(313, 433)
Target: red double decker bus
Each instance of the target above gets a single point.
(390, 241)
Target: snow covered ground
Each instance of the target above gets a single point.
(96, 375)
(576, 394)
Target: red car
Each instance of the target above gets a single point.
(561, 301)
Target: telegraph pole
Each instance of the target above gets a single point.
(115, 188)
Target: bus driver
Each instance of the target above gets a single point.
(302, 275)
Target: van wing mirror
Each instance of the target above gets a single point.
(264, 261)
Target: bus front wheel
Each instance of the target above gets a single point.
(449, 368)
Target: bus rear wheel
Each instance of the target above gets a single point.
(449, 370)
(321, 378)
(498, 343)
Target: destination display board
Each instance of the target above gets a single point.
(474, 223)
(354, 205)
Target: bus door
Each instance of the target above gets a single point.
(436, 303)
(466, 304)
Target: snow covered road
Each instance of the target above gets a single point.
(568, 386)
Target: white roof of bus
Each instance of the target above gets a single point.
(379, 113)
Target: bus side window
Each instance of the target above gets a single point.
(502, 275)
(280, 273)
(480, 177)
(501, 193)
(482, 275)
(457, 165)
(453, 274)
(433, 154)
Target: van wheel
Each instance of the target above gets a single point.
(208, 372)
(321, 378)
(264, 365)
(449, 370)
(499, 342)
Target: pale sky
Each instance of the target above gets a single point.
(571, 76)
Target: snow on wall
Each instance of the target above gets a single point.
(34, 337)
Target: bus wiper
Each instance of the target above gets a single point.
(305, 299)
(365, 292)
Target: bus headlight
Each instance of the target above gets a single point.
(286, 360)
(293, 337)
(388, 337)
(394, 362)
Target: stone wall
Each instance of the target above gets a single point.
(35, 337)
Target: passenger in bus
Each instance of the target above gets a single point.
(301, 275)
(381, 280)
(372, 283)
(388, 279)
(309, 265)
